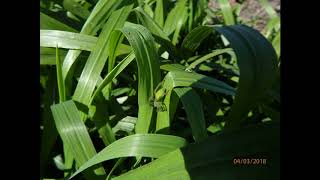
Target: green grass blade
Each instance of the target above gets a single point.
(208, 56)
(95, 21)
(193, 40)
(149, 23)
(74, 133)
(175, 16)
(76, 8)
(272, 25)
(47, 22)
(67, 40)
(145, 145)
(158, 14)
(227, 12)
(164, 118)
(193, 106)
(98, 57)
(113, 74)
(143, 46)
(214, 157)
(183, 79)
(61, 87)
(48, 55)
(179, 25)
(257, 61)
(276, 43)
(173, 67)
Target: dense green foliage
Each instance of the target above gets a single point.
(148, 89)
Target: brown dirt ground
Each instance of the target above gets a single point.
(252, 10)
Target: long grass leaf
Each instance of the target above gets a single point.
(193, 106)
(61, 87)
(217, 157)
(182, 79)
(100, 13)
(257, 61)
(175, 16)
(143, 46)
(158, 14)
(74, 133)
(97, 59)
(146, 145)
(67, 40)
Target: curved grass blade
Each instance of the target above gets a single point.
(97, 18)
(97, 58)
(182, 79)
(227, 12)
(149, 23)
(67, 40)
(214, 157)
(145, 145)
(143, 46)
(257, 61)
(193, 106)
(74, 133)
(208, 56)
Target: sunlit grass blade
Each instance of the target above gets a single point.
(227, 12)
(49, 23)
(145, 145)
(100, 13)
(176, 15)
(67, 40)
(193, 106)
(98, 57)
(74, 133)
(158, 14)
(214, 157)
(143, 46)
(183, 79)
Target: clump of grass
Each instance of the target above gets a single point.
(148, 89)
